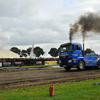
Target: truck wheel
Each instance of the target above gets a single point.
(81, 65)
(67, 68)
(98, 65)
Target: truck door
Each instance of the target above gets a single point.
(77, 51)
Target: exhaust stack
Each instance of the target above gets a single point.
(83, 50)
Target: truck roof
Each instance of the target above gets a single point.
(70, 44)
(77, 43)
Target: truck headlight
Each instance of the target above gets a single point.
(69, 61)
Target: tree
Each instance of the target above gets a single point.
(24, 53)
(88, 51)
(29, 50)
(38, 51)
(16, 50)
(53, 52)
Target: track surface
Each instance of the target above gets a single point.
(11, 80)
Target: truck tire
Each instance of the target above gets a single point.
(81, 65)
(98, 65)
(67, 68)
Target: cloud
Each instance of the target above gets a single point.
(42, 22)
(38, 35)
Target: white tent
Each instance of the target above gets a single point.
(8, 54)
(46, 55)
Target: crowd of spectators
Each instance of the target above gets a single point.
(25, 61)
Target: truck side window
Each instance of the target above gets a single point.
(77, 47)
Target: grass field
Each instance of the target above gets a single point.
(28, 66)
(83, 90)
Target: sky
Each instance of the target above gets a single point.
(44, 23)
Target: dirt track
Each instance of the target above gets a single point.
(10, 80)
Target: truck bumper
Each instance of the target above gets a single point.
(69, 63)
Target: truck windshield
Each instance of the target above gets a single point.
(65, 48)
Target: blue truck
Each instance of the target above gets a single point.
(71, 55)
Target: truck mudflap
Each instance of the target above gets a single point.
(98, 65)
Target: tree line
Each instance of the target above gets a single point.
(39, 51)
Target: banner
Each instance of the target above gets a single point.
(6, 63)
(39, 62)
(0, 63)
(31, 53)
(18, 63)
(50, 62)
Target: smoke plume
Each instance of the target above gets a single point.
(90, 22)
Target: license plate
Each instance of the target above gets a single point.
(64, 66)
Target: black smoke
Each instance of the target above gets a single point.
(89, 22)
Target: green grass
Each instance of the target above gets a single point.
(28, 66)
(83, 90)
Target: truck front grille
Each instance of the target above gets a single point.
(65, 56)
